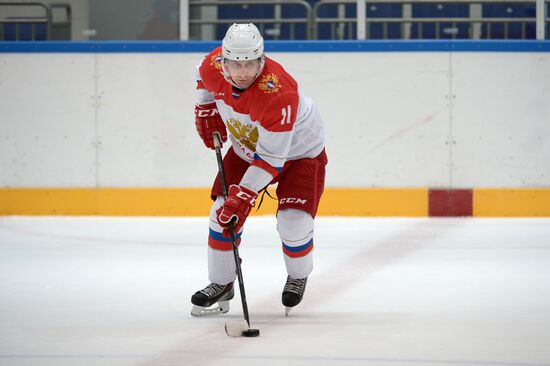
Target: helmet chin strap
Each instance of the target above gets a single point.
(232, 82)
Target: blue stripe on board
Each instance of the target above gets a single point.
(279, 46)
(109, 47)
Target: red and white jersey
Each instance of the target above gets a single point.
(268, 123)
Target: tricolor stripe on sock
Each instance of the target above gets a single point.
(217, 241)
(300, 251)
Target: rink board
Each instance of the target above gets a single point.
(422, 128)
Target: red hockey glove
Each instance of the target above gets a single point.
(208, 121)
(238, 204)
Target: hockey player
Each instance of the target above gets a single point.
(276, 136)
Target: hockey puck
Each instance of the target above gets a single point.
(251, 333)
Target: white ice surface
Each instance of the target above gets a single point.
(97, 291)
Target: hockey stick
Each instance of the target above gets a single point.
(234, 329)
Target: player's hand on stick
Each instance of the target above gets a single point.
(237, 206)
(208, 121)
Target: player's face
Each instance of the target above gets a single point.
(243, 72)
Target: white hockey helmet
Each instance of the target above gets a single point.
(242, 42)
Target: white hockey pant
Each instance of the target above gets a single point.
(295, 229)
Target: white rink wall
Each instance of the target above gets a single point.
(393, 119)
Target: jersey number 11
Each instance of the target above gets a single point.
(286, 112)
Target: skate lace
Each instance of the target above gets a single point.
(213, 289)
(295, 286)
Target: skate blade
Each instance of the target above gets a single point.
(287, 310)
(221, 307)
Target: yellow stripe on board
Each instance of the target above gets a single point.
(517, 202)
(196, 202)
(106, 201)
(410, 202)
(374, 202)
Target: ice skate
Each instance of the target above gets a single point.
(293, 293)
(212, 300)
